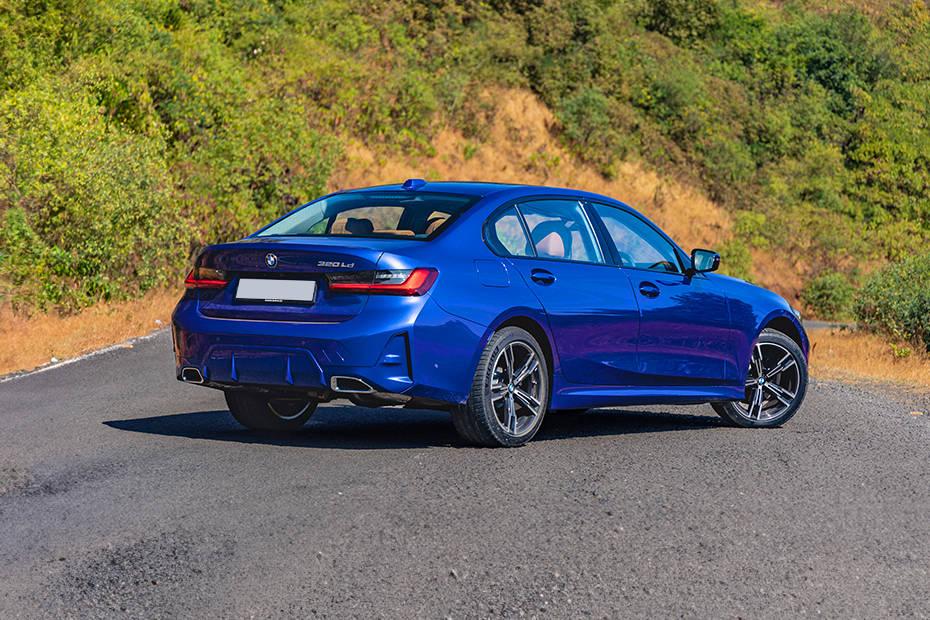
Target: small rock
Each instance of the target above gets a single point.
(454, 574)
(54, 359)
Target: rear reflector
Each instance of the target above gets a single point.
(204, 277)
(384, 282)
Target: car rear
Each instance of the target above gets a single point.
(316, 311)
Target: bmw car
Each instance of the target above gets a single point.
(498, 303)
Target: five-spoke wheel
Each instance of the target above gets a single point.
(515, 385)
(510, 392)
(775, 383)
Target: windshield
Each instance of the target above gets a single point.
(409, 215)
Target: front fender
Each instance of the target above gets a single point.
(779, 318)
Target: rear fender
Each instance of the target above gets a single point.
(532, 320)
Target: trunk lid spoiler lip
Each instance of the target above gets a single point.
(282, 260)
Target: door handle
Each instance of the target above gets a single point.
(648, 289)
(541, 276)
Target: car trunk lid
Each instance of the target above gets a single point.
(285, 267)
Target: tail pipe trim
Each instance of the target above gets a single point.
(189, 374)
(349, 385)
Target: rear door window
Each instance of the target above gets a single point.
(559, 229)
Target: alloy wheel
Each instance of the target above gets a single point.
(516, 383)
(772, 383)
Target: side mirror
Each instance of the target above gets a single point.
(703, 261)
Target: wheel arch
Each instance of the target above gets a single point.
(536, 330)
(788, 325)
(537, 326)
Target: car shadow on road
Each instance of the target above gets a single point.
(357, 428)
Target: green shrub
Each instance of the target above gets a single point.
(735, 259)
(896, 300)
(752, 226)
(681, 20)
(264, 163)
(829, 296)
(85, 206)
(590, 125)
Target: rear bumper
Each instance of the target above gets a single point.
(406, 346)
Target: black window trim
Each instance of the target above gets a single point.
(602, 229)
(486, 228)
(516, 202)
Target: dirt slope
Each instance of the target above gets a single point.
(521, 149)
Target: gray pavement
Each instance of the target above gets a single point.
(125, 493)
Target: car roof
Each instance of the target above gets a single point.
(468, 188)
(484, 190)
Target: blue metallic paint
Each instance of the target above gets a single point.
(593, 316)
(609, 344)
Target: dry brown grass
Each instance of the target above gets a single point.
(31, 342)
(521, 149)
(860, 356)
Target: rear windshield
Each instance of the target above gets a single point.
(409, 215)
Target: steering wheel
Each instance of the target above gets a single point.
(666, 266)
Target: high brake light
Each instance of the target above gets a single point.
(409, 282)
(205, 277)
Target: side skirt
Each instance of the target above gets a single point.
(579, 397)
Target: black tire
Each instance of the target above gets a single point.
(507, 417)
(781, 388)
(269, 412)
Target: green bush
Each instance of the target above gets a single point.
(735, 259)
(829, 296)
(85, 206)
(265, 162)
(681, 20)
(590, 126)
(896, 300)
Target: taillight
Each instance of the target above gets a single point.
(205, 277)
(384, 281)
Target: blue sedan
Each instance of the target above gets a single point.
(496, 302)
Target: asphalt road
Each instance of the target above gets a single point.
(122, 490)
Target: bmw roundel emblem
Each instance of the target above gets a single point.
(271, 260)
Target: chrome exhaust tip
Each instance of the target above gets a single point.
(349, 385)
(189, 374)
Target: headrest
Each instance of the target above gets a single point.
(555, 241)
(359, 226)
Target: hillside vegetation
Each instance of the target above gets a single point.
(132, 135)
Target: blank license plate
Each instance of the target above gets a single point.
(277, 291)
